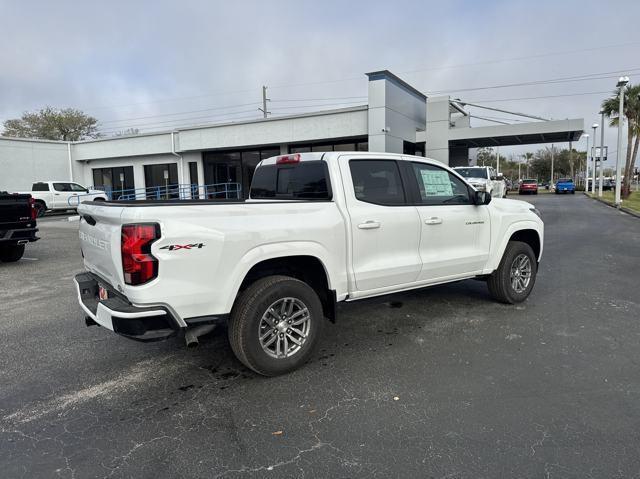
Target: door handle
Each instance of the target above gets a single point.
(369, 225)
(433, 221)
(57, 194)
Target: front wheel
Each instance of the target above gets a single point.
(275, 325)
(513, 281)
(11, 254)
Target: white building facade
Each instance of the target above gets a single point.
(398, 118)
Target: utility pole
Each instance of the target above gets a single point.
(497, 160)
(622, 82)
(601, 154)
(593, 158)
(264, 110)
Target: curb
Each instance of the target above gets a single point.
(622, 208)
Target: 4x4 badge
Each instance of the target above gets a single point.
(174, 247)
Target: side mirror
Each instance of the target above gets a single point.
(493, 178)
(482, 198)
(500, 177)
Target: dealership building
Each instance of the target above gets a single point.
(397, 118)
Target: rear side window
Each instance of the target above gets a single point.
(307, 180)
(377, 181)
(40, 187)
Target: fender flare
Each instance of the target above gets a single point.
(496, 257)
(265, 252)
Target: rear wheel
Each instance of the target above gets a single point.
(11, 254)
(513, 281)
(275, 325)
(41, 208)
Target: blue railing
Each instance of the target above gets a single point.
(167, 192)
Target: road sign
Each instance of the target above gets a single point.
(595, 153)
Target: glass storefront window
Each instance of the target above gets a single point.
(159, 187)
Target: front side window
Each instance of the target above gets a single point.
(77, 187)
(377, 181)
(439, 187)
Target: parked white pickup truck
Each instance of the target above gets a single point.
(484, 178)
(318, 228)
(61, 195)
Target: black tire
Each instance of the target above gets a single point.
(500, 281)
(98, 199)
(246, 318)
(41, 208)
(535, 192)
(11, 254)
(573, 192)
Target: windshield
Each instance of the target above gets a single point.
(472, 172)
(529, 181)
(565, 180)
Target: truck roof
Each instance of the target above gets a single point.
(329, 155)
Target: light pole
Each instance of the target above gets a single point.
(551, 182)
(601, 180)
(593, 159)
(622, 82)
(586, 166)
(519, 175)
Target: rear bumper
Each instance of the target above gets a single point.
(18, 235)
(118, 315)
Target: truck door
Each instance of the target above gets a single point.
(61, 194)
(455, 236)
(385, 230)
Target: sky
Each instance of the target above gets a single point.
(160, 64)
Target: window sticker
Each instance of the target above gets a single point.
(436, 183)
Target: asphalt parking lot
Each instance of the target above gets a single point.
(434, 383)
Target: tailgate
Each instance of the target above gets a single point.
(100, 237)
(14, 211)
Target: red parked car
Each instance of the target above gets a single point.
(528, 187)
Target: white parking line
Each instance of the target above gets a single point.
(29, 259)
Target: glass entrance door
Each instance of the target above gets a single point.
(221, 169)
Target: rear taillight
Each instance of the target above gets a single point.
(138, 264)
(32, 204)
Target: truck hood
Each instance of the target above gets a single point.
(511, 206)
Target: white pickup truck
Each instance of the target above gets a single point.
(318, 228)
(484, 178)
(61, 195)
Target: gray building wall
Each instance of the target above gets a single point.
(23, 162)
(437, 130)
(396, 112)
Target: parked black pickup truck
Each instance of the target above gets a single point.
(17, 225)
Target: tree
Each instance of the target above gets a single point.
(67, 124)
(632, 112)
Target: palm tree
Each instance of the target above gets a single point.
(632, 112)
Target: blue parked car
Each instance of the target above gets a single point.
(565, 185)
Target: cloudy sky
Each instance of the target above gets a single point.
(159, 64)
